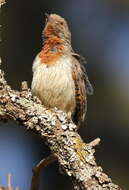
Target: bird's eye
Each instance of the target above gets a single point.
(61, 23)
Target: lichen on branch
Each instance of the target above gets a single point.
(75, 157)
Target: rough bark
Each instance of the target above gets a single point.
(75, 158)
(2, 2)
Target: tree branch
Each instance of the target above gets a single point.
(75, 158)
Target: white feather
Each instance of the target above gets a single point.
(53, 84)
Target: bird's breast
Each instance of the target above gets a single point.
(53, 83)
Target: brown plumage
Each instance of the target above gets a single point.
(59, 77)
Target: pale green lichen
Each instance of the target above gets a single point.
(80, 147)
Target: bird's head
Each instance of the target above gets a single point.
(56, 26)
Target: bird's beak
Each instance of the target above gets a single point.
(46, 15)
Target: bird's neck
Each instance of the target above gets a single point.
(53, 44)
(53, 48)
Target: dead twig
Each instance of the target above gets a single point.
(36, 171)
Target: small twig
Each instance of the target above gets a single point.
(24, 86)
(9, 182)
(94, 142)
(36, 171)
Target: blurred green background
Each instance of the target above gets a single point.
(100, 32)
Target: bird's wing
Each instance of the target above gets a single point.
(82, 88)
(83, 62)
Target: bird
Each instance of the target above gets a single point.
(59, 74)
